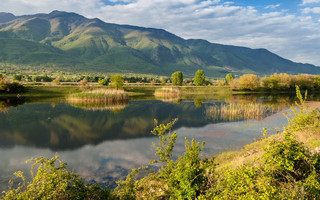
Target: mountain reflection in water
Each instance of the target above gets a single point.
(103, 144)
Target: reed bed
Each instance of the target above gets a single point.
(246, 111)
(99, 96)
(168, 92)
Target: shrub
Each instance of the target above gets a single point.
(11, 87)
(229, 77)
(15, 87)
(17, 77)
(271, 82)
(117, 81)
(53, 181)
(103, 82)
(249, 82)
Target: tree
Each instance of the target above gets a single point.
(249, 82)
(229, 77)
(17, 77)
(103, 82)
(177, 78)
(117, 81)
(199, 78)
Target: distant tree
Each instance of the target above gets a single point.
(199, 78)
(249, 82)
(177, 78)
(17, 77)
(228, 78)
(117, 81)
(271, 82)
(103, 82)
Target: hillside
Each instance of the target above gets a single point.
(67, 39)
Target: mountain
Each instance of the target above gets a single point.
(67, 39)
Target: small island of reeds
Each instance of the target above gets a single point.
(99, 96)
(168, 92)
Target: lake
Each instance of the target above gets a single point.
(102, 144)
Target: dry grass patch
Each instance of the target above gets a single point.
(168, 92)
(99, 96)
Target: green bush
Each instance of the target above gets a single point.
(53, 181)
(229, 77)
(103, 82)
(7, 86)
(117, 81)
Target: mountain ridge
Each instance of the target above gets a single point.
(69, 39)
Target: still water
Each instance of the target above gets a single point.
(103, 144)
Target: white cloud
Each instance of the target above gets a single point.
(314, 10)
(289, 35)
(273, 6)
(304, 2)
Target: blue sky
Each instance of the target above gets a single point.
(290, 29)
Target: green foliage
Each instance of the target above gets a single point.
(53, 181)
(17, 77)
(303, 117)
(199, 78)
(186, 177)
(117, 81)
(229, 77)
(244, 182)
(289, 160)
(103, 82)
(7, 86)
(177, 78)
(166, 141)
(271, 82)
(44, 78)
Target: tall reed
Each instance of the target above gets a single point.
(239, 111)
(102, 96)
(168, 92)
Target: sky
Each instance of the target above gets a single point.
(289, 28)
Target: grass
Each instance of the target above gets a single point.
(99, 96)
(168, 92)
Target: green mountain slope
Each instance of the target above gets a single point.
(68, 39)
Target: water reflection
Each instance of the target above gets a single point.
(101, 106)
(60, 126)
(7, 103)
(102, 145)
